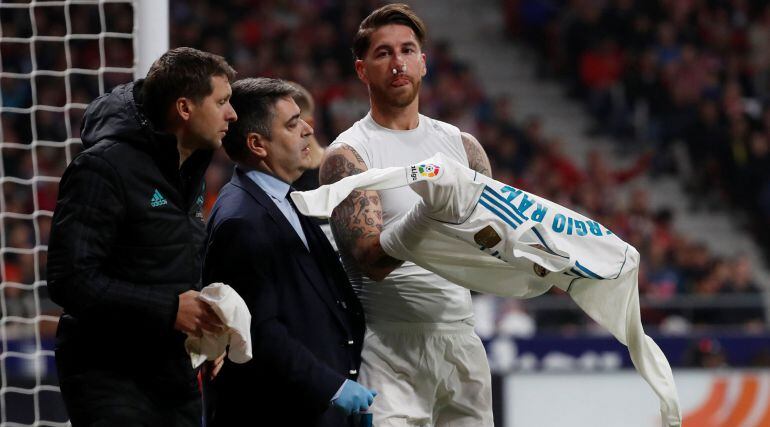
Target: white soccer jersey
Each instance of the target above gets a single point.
(410, 293)
(494, 238)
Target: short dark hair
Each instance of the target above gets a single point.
(396, 13)
(180, 72)
(254, 101)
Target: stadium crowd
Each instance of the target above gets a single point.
(662, 74)
(715, 55)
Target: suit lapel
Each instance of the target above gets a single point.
(331, 259)
(316, 262)
(257, 193)
(323, 252)
(316, 278)
(304, 258)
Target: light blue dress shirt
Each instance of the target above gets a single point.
(278, 190)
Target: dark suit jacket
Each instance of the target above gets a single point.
(307, 325)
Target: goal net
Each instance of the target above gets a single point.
(55, 58)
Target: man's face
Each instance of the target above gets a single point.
(209, 118)
(288, 149)
(393, 66)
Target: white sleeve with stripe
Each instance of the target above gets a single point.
(494, 238)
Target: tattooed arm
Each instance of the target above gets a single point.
(477, 157)
(357, 221)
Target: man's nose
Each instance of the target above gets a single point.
(232, 116)
(399, 64)
(308, 129)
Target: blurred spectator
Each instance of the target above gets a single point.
(658, 70)
(706, 353)
(692, 71)
(513, 320)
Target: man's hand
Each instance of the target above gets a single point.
(212, 367)
(195, 316)
(354, 398)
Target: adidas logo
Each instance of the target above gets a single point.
(157, 199)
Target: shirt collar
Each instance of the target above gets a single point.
(273, 186)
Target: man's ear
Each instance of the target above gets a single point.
(361, 71)
(183, 108)
(255, 143)
(423, 65)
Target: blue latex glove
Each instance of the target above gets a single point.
(354, 398)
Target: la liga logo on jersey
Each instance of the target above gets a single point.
(425, 171)
(428, 171)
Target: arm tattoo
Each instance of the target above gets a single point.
(360, 215)
(357, 221)
(337, 166)
(477, 158)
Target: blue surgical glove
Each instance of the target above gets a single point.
(354, 398)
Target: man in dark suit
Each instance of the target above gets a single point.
(307, 325)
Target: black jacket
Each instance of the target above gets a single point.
(307, 325)
(126, 239)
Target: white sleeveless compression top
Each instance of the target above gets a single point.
(410, 293)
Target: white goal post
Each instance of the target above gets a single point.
(55, 57)
(150, 34)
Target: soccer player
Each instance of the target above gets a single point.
(124, 256)
(420, 350)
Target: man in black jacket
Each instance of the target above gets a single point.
(306, 324)
(125, 249)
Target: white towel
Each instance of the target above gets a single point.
(490, 237)
(234, 314)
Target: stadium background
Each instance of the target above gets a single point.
(652, 117)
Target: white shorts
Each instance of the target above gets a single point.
(427, 374)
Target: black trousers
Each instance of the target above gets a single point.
(103, 398)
